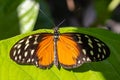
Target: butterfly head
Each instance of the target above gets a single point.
(56, 32)
(56, 29)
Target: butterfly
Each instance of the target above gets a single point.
(69, 50)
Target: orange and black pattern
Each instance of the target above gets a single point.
(69, 50)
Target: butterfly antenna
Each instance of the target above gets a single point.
(56, 28)
(47, 17)
(60, 24)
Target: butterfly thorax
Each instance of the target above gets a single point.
(56, 37)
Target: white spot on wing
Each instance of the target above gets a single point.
(90, 45)
(19, 51)
(103, 56)
(14, 53)
(99, 49)
(79, 41)
(20, 57)
(36, 37)
(88, 59)
(99, 44)
(18, 46)
(27, 42)
(26, 46)
(84, 51)
(32, 59)
(15, 58)
(30, 37)
(15, 46)
(28, 60)
(35, 42)
(103, 44)
(32, 51)
(104, 51)
(36, 63)
(96, 40)
(79, 62)
(21, 41)
(89, 40)
(91, 52)
(87, 36)
(84, 59)
(98, 55)
(23, 60)
(26, 53)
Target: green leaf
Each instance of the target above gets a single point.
(102, 11)
(17, 17)
(104, 70)
(113, 4)
(27, 13)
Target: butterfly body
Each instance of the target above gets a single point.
(69, 50)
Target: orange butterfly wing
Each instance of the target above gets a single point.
(45, 54)
(69, 52)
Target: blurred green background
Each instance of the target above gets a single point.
(21, 16)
